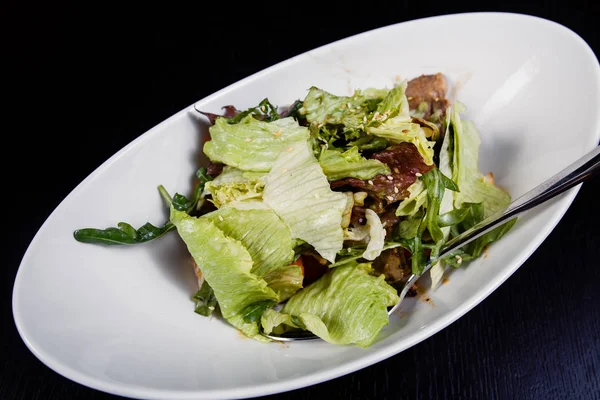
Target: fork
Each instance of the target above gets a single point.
(572, 175)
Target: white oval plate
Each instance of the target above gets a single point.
(121, 320)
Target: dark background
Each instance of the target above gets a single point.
(82, 83)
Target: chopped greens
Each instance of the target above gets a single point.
(308, 214)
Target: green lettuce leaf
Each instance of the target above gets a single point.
(266, 237)
(347, 305)
(350, 164)
(417, 199)
(234, 185)
(321, 107)
(474, 187)
(251, 144)
(398, 130)
(446, 205)
(285, 281)
(393, 105)
(226, 265)
(298, 191)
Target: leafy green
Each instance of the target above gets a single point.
(285, 281)
(321, 107)
(234, 184)
(394, 104)
(350, 164)
(124, 234)
(369, 143)
(456, 216)
(250, 144)
(474, 213)
(398, 130)
(474, 188)
(418, 258)
(253, 312)
(265, 111)
(416, 199)
(261, 232)
(435, 193)
(298, 191)
(206, 301)
(226, 265)
(347, 305)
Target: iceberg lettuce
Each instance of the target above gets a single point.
(226, 265)
(251, 144)
(234, 184)
(474, 187)
(347, 305)
(398, 130)
(350, 164)
(298, 191)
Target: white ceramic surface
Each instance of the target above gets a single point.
(121, 320)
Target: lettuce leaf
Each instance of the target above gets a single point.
(321, 107)
(474, 187)
(376, 235)
(416, 199)
(226, 265)
(266, 237)
(398, 130)
(234, 184)
(347, 305)
(285, 281)
(446, 206)
(251, 144)
(393, 105)
(350, 164)
(298, 191)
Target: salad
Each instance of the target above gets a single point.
(311, 216)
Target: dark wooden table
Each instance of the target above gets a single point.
(95, 79)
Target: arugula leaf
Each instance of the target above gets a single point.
(265, 111)
(124, 234)
(456, 216)
(206, 300)
(418, 259)
(127, 234)
(435, 193)
(253, 312)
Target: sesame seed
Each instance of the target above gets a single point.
(390, 178)
(365, 119)
(396, 190)
(220, 218)
(211, 308)
(458, 259)
(396, 170)
(390, 198)
(278, 133)
(418, 174)
(262, 108)
(370, 182)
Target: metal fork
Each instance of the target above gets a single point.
(572, 175)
